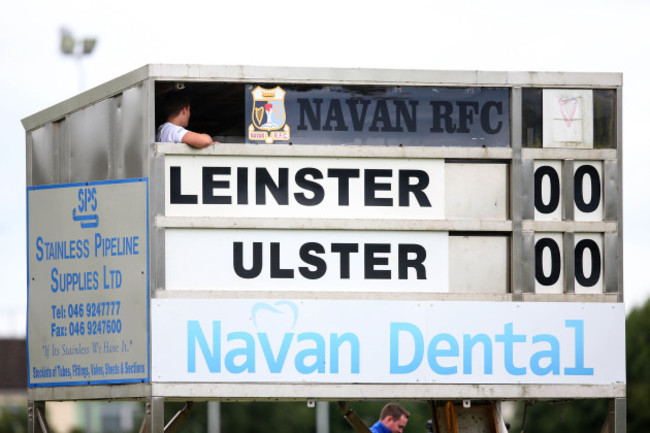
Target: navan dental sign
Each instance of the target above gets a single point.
(345, 342)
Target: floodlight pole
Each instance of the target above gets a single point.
(77, 48)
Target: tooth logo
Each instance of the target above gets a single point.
(281, 314)
(568, 108)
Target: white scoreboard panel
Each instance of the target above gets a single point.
(585, 202)
(306, 215)
(398, 224)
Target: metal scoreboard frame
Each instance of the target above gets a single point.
(357, 234)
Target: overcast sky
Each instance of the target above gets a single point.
(502, 35)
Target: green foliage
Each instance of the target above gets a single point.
(260, 417)
(637, 342)
(264, 417)
(197, 420)
(13, 419)
(576, 416)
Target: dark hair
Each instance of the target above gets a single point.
(174, 103)
(395, 411)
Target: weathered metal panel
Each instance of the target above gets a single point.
(527, 262)
(478, 264)
(611, 190)
(44, 154)
(91, 138)
(476, 189)
(89, 97)
(131, 130)
(612, 263)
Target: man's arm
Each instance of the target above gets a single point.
(197, 140)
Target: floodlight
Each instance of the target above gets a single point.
(67, 42)
(89, 45)
(77, 48)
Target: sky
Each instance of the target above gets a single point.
(497, 35)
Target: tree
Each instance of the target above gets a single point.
(13, 419)
(637, 343)
(576, 416)
(267, 417)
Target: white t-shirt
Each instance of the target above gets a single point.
(170, 133)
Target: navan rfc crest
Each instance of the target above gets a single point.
(269, 116)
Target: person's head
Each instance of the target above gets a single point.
(394, 417)
(177, 107)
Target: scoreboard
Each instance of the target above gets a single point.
(419, 217)
(355, 234)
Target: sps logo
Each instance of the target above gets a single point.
(84, 212)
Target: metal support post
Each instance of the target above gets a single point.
(352, 418)
(620, 414)
(322, 417)
(214, 417)
(433, 425)
(516, 193)
(154, 416)
(615, 422)
(36, 422)
(181, 416)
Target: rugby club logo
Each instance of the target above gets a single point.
(269, 116)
